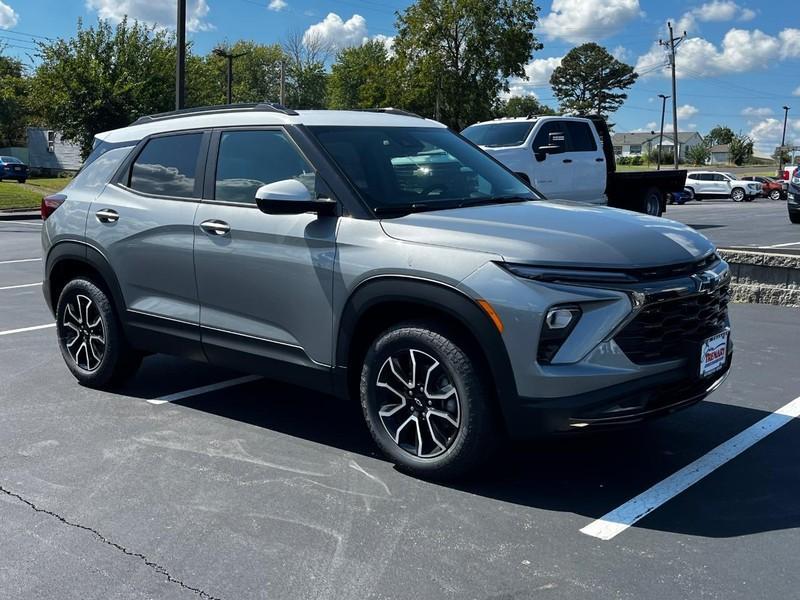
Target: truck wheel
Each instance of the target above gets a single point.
(427, 402)
(737, 194)
(90, 337)
(775, 195)
(651, 202)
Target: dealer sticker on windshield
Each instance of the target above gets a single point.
(713, 354)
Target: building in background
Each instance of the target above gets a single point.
(49, 154)
(642, 143)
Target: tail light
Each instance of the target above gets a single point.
(786, 175)
(51, 203)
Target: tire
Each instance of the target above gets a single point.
(454, 386)
(795, 218)
(651, 202)
(775, 195)
(737, 194)
(90, 337)
(21, 180)
(691, 193)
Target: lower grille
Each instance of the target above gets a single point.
(663, 331)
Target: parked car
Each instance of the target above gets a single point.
(13, 168)
(572, 158)
(713, 184)
(680, 197)
(770, 188)
(312, 247)
(793, 197)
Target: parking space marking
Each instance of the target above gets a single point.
(16, 287)
(204, 389)
(24, 329)
(784, 245)
(619, 519)
(19, 260)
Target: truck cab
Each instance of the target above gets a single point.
(562, 157)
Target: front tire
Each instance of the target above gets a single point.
(426, 401)
(737, 194)
(90, 337)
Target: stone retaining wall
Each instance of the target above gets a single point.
(764, 278)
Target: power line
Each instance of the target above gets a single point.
(33, 35)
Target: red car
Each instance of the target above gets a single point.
(771, 188)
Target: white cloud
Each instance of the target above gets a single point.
(716, 11)
(387, 41)
(752, 111)
(621, 53)
(796, 92)
(277, 5)
(741, 50)
(790, 43)
(338, 33)
(540, 70)
(580, 21)
(161, 14)
(766, 134)
(8, 17)
(687, 111)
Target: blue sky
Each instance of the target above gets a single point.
(738, 66)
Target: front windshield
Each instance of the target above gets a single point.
(496, 135)
(397, 169)
(11, 160)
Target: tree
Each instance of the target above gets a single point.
(13, 110)
(590, 80)
(523, 106)
(256, 75)
(453, 57)
(699, 154)
(305, 70)
(103, 78)
(741, 149)
(720, 135)
(358, 78)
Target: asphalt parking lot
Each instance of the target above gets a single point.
(760, 224)
(176, 487)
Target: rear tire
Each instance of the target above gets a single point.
(91, 338)
(427, 402)
(651, 202)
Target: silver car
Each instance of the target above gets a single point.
(379, 256)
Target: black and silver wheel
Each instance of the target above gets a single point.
(651, 202)
(90, 337)
(775, 195)
(737, 194)
(425, 402)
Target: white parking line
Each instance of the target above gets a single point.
(19, 260)
(16, 287)
(619, 519)
(204, 389)
(24, 329)
(784, 245)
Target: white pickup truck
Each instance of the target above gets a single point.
(572, 158)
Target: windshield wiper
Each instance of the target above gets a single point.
(406, 209)
(495, 200)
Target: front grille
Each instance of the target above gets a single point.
(663, 331)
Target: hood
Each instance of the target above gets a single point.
(563, 234)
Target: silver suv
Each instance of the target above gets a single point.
(380, 256)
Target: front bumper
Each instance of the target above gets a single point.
(619, 405)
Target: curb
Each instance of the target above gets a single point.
(764, 277)
(19, 215)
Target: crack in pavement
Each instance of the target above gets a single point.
(153, 565)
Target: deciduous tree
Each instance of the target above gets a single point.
(360, 77)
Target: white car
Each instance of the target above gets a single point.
(713, 184)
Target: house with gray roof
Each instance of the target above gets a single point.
(641, 143)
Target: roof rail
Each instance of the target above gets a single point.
(392, 111)
(221, 108)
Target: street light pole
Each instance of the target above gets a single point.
(783, 141)
(661, 135)
(229, 57)
(180, 67)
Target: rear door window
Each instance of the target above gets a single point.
(167, 166)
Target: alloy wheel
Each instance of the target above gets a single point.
(738, 195)
(418, 404)
(83, 332)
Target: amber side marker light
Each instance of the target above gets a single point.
(487, 308)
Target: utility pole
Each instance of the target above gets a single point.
(783, 141)
(180, 67)
(672, 44)
(661, 135)
(229, 57)
(282, 96)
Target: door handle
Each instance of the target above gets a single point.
(107, 215)
(599, 160)
(215, 227)
(567, 160)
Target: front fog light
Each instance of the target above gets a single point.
(558, 324)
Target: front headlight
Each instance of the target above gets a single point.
(566, 275)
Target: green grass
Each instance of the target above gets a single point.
(29, 195)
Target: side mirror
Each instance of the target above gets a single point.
(290, 197)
